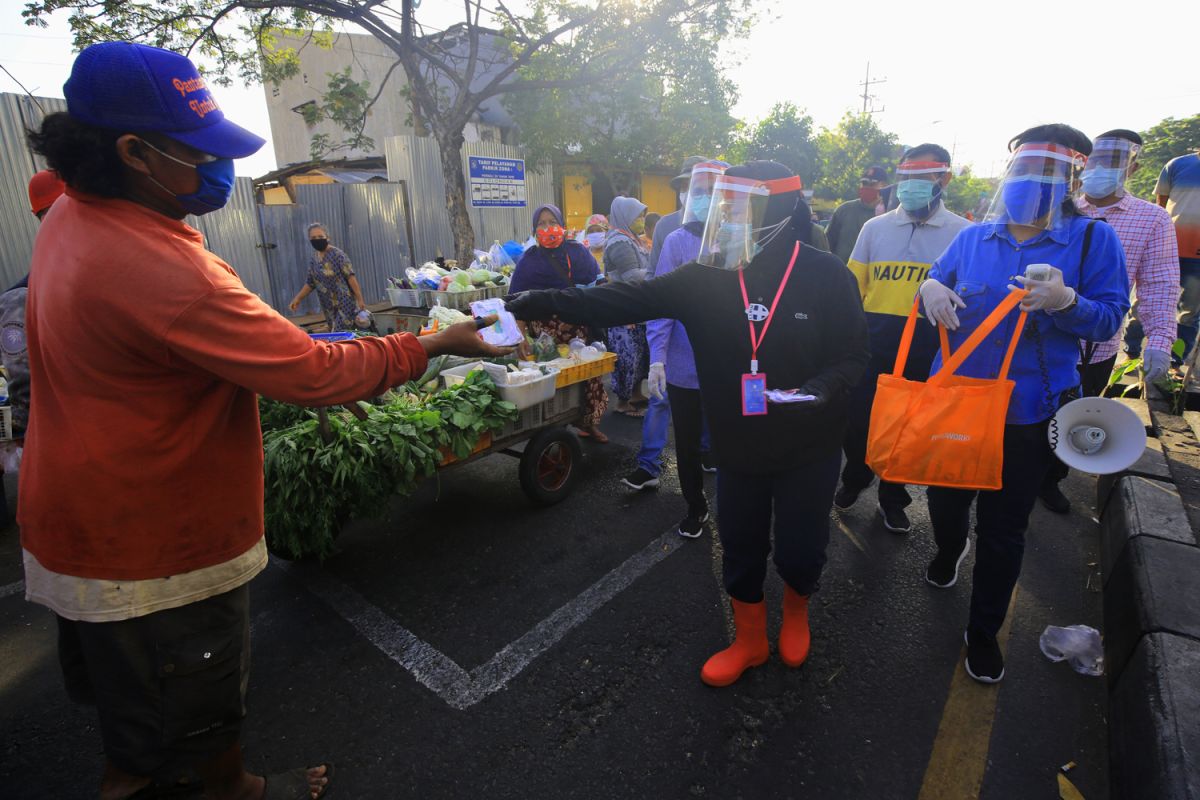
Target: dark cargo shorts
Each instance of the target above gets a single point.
(170, 687)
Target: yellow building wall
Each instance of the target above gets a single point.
(657, 194)
(276, 196)
(577, 200)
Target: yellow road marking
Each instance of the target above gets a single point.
(850, 535)
(959, 758)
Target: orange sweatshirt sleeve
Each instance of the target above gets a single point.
(234, 335)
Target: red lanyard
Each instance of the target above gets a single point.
(757, 339)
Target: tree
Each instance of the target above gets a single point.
(855, 144)
(785, 135)
(963, 192)
(450, 74)
(671, 104)
(1164, 141)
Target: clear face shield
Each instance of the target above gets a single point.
(919, 184)
(1039, 176)
(1108, 167)
(734, 232)
(700, 190)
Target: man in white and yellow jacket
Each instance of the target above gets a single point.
(891, 259)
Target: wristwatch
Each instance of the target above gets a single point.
(1069, 306)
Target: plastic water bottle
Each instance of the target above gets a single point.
(1079, 645)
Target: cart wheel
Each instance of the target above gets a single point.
(549, 465)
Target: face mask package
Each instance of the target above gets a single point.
(504, 332)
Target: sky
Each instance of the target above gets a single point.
(965, 75)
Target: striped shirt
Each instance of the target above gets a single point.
(1152, 261)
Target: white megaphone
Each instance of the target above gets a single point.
(1097, 435)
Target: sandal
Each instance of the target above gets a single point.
(293, 785)
(636, 413)
(598, 437)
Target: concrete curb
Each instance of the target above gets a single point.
(1150, 559)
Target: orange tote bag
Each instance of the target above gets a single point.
(949, 430)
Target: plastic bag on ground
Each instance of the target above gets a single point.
(1079, 645)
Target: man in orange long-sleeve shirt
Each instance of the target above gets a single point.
(141, 504)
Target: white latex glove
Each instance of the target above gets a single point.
(1155, 364)
(1048, 295)
(656, 382)
(940, 301)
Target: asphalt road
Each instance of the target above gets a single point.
(474, 645)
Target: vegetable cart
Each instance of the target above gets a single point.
(550, 459)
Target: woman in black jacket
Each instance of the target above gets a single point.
(784, 461)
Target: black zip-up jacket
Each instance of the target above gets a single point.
(817, 339)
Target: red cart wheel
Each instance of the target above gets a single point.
(550, 464)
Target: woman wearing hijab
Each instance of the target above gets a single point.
(765, 313)
(558, 263)
(627, 260)
(594, 235)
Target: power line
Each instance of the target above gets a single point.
(867, 97)
(26, 91)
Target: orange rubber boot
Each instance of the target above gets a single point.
(794, 637)
(749, 648)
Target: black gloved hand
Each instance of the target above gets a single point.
(819, 402)
(523, 306)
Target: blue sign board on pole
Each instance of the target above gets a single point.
(497, 182)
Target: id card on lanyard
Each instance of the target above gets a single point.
(754, 383)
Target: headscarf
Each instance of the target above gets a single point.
(624, 211)
(553, 209)
(599, 220)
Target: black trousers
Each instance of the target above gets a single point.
(1001, 518)
(800, 500)
(687, 418)
(856, 474)
(1093, 379)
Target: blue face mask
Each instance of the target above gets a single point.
(216, 184)
(915, 194)
(700, 206)
(1030, 197)
(1101, 181)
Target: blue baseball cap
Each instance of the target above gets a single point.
(135, 87)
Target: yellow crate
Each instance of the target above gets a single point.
(603, 365)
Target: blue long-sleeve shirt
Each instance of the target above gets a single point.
(668, 340)
(980, 264)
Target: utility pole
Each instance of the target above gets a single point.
(868, 98)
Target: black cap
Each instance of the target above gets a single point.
(875, 173)
(685, 172)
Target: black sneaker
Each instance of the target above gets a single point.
(943, 570)
(846, 496)
(640, 479)
(693, 524)
(895, 520)
(984, 662)
(1053, 499)
(706, 463)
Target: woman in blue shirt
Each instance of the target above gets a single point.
(1085, 295)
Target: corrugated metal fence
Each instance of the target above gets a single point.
(366, 220)
(382, 227)
(415, 160)
(18, 114)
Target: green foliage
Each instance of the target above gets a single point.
(273, 415)
(964, 190)
(313, 486)
(1166, 140)
(663, 99)
(846, 150)
(785, 135)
